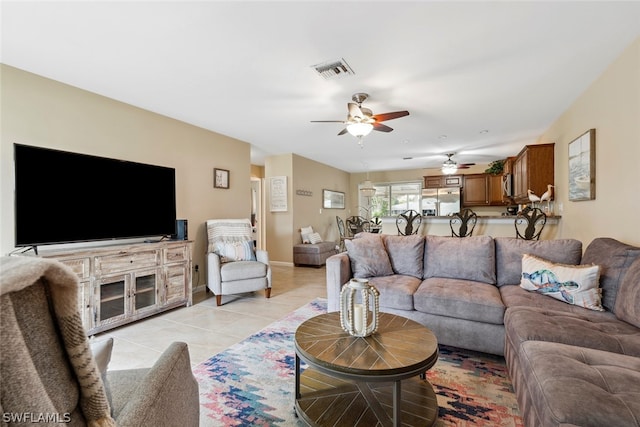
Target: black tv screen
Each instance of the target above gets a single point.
(63, 197)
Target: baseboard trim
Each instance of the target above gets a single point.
(281, 263)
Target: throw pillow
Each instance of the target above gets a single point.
(235, 251)
(573, 284)
(305, 233)
(406, 254)
(315, 238)
(368, 257)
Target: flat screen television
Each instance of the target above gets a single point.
(64, 197)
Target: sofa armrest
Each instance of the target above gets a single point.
(167, 394)
(338, 273)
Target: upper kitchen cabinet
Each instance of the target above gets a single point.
(532, 170)
(482, 189)
(442, 181)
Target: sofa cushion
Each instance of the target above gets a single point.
(368, 257)
(509, 253)
(603, 332)
(468, 258)
(614, 258)
(406, 254)
(627, 306)
(396, 291)
(462, 299)
(573, 284)
(572, 386)
(515, 296)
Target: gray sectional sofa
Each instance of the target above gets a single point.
(570, 366)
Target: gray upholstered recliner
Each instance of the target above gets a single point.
(49, 373)
(233, 266)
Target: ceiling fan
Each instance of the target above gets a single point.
(450, 166)
(361, 121)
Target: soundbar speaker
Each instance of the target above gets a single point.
(181, 229)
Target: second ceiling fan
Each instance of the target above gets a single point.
(450, 166)
(361, 121)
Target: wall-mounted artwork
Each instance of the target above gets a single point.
(278, 193)
(220, 178)
(332, 199)
(582, 167)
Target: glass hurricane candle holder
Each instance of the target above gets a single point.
(359, 308)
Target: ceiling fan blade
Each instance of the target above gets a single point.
(343, 131)
(465, 165)
(327, 121)
(390, 116)
(382, 128)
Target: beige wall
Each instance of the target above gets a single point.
(283, 228)
(42, 112)
(612, 106)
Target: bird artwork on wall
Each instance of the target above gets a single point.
(533, 198)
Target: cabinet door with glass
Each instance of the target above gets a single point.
(144, 291)
(111, 297)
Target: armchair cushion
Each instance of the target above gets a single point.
(240, 270)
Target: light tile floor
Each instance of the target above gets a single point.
(208, 329)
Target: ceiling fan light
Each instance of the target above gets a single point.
(449, 168)
(359, 129)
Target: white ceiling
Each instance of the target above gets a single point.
(243, 68)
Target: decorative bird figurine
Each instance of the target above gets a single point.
(546, 196)
(533, 198)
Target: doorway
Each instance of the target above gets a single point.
(257, 212)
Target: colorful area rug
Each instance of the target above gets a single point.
(252, 382)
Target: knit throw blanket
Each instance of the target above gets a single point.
(61, 284)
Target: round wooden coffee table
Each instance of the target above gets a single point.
(359, 381)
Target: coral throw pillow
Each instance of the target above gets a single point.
(573, 284)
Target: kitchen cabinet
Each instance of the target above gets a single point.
(533, 169)
(443, 181)
(482, 189)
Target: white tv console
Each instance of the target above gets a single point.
(120, 284)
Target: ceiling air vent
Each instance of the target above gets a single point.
(333, 69)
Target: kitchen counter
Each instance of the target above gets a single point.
(487, 225)
(487, 218)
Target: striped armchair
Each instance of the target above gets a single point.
(233, 265)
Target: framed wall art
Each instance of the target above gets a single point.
(582, 167)
(220, 178)
(278, 193)
(332, 199)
